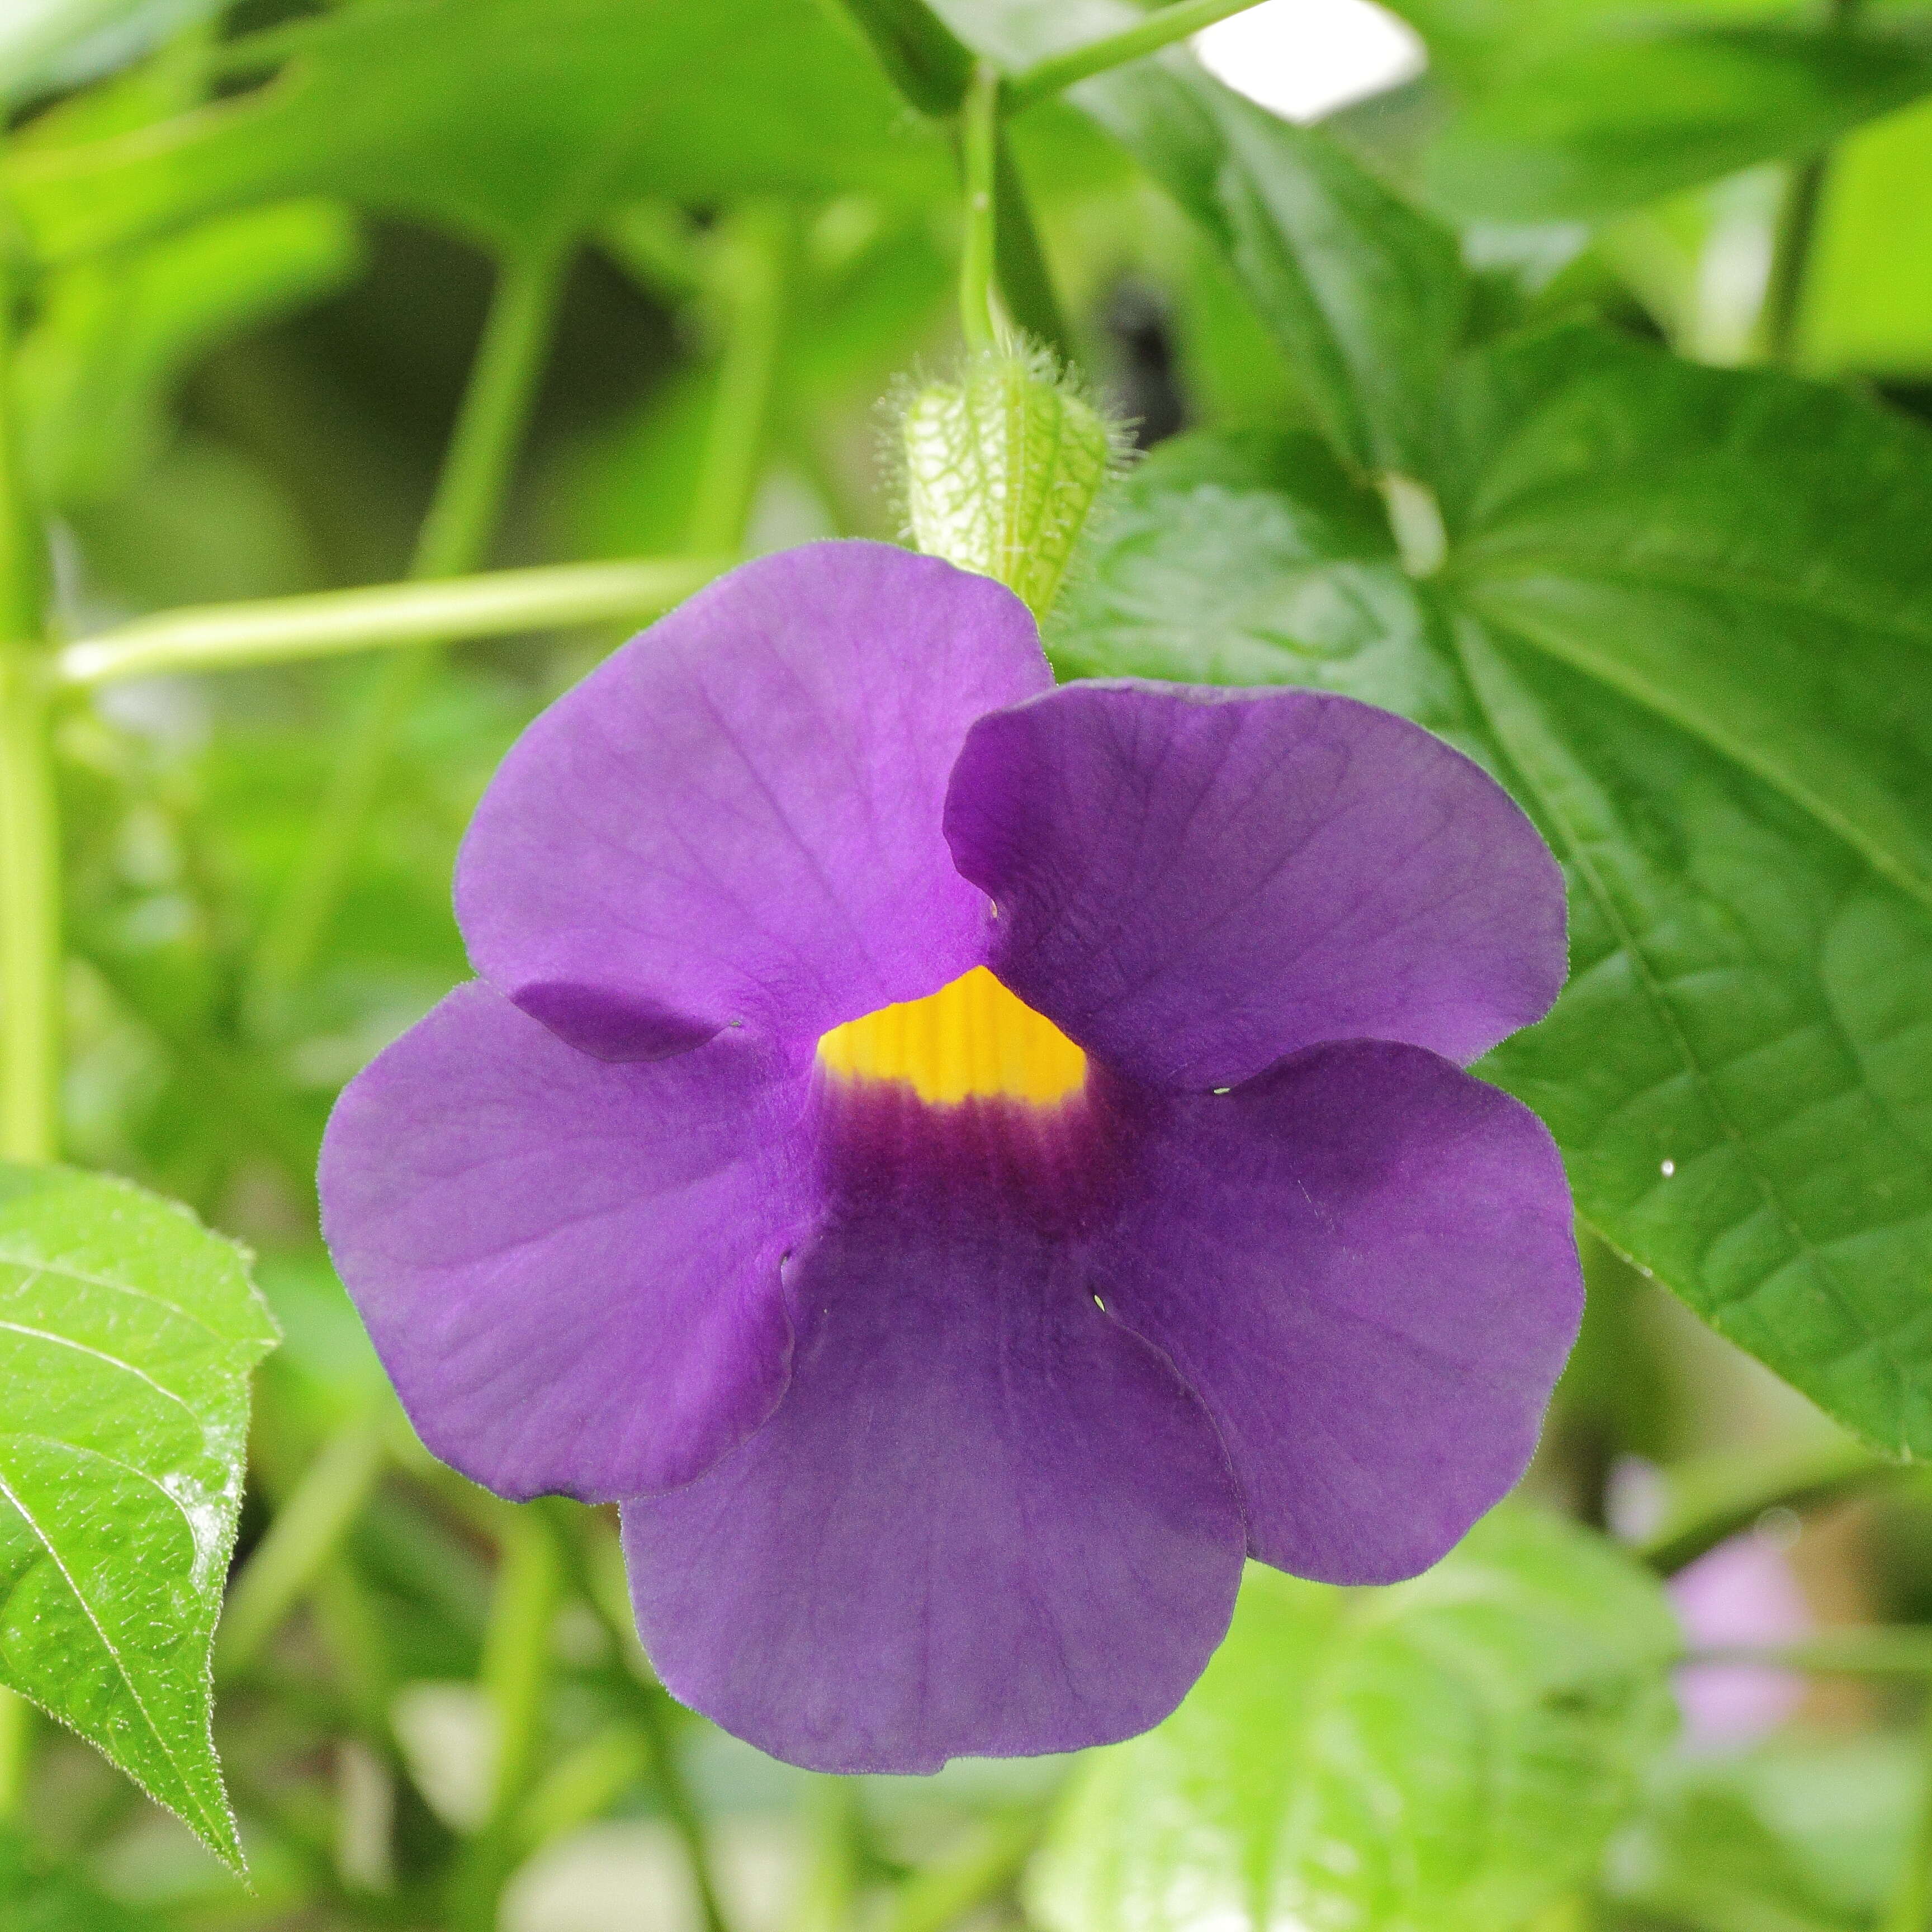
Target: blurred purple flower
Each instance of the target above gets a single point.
(1743, 1593)
(945, 1375)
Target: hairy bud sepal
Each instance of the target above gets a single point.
(1001, 466)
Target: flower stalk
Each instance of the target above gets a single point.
(981, 320)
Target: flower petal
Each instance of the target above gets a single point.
(1363, 1263)
(985, 1519)
(1192, 883)
(570, 1270)
(735, 818)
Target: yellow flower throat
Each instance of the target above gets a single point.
(971, 1039)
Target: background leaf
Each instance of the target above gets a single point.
(112, 338)
(1609, 121)
(1366, 296)
(507, 120)
(1780, 1839)
(1712, 690)
(128, 1332)
(1449, 1754)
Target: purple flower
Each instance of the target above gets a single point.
(950, 1334)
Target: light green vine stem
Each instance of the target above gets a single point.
(1149, 36)
(29, 912)
(30, 886)
(291, 630)
(979, 318)
(756, 247)
(455, 534)
(1856, 1652)
(29, 848)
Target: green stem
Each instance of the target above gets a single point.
(292, 630)
(979, 151)
(1843, 1653)
(307, 1531)
(828, 1887)
(30, 882)
(756, 247)
(359, 1645)
(1149, 36)
(940, 1895)
(582, 1786)
(29, 843)
(455, 535)
(1798, 230)
(510, 356)
(597, 1570)
(657, 1719)
(1910, 1908)
(517, 1667)
(30, 1003)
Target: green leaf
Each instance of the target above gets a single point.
(928, 62)
(1787, 1838)
(1608, 501)
(128, 1335)
(1687, 617)
(506, 120)
(1608, 122)
(1446, 1755)
(1365, 295)
(111, 339)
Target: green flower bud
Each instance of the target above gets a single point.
(1000, 467)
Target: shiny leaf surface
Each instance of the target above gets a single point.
(1448, 1754)
(1365, 295)
(128, 1332)
(1607, 122)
